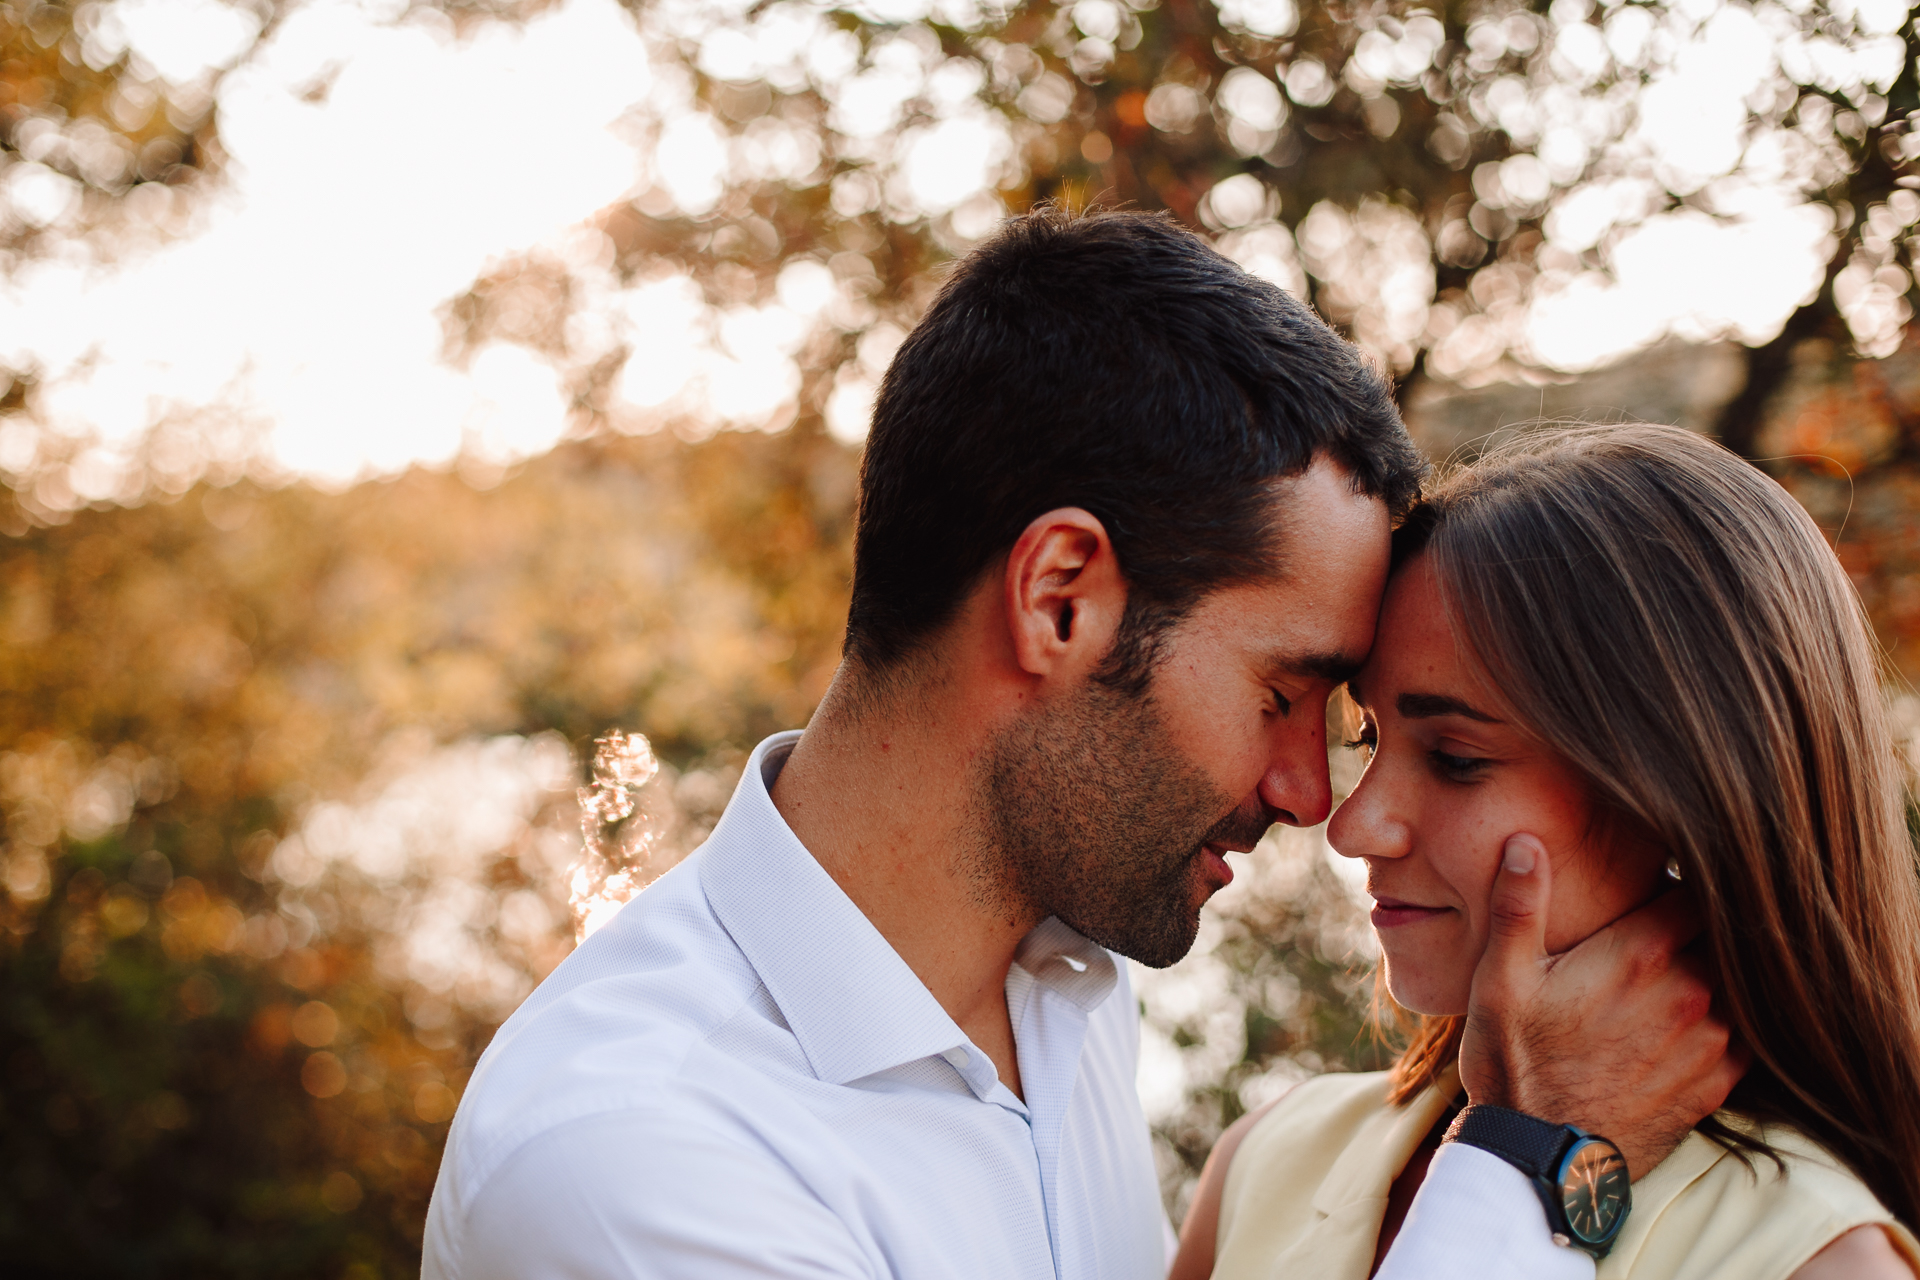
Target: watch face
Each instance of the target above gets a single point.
(1594, 1189)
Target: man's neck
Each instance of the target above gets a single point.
(879, 791)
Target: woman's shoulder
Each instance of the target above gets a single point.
(1309, 1177)
(1316, 1116)
(1330, 1140)
(1805, 1178)
(1809, 1171)
(1707, 1210)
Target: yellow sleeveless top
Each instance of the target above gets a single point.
(1307, 1190)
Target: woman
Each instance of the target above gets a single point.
(1638, 650)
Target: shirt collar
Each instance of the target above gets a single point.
(851, 1001)
(1058, 957)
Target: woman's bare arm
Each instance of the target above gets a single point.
(1864, 1253)
(1202, 1227)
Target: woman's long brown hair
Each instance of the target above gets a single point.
(1673, 624)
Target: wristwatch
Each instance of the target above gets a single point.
(1581, 1179)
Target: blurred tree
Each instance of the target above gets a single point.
(288, 825)
(1844, 437)
(90, 127)
(1422, 170)
(1278, 988)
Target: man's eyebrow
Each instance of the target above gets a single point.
(1425, 706)
(1335, 668)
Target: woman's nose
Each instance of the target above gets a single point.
(1366, 825)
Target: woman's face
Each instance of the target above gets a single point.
(1451, 776)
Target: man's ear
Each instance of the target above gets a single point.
(1064, 594)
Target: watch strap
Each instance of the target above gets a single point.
(1532, 1145)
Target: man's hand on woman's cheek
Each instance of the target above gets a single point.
(1617, 1035)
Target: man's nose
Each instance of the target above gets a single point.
(1296, 787)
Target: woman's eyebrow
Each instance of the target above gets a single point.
(1425, 706)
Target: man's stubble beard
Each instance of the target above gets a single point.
(1088, 812)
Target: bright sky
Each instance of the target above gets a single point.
(307, 299)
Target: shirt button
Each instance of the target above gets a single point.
(961, 1057)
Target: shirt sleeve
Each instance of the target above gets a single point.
(1476, 1217)
(646, 1197)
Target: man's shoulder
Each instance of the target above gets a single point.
(644, 1017)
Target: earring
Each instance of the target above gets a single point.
(1673, 868)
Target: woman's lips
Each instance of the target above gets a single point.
(1391, 913)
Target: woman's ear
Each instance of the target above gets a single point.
(1064, 594)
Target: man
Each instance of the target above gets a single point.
(1123, 527)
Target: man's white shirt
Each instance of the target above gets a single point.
(738, 1076)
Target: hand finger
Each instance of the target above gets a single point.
(1717, 1083)
(1690, 979)
(1519, 908)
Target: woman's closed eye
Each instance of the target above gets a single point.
(1458, 768)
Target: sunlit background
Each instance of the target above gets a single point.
(429, 431)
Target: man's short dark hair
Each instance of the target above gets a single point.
(1111, 361)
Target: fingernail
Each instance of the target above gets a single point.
(1518, 856)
